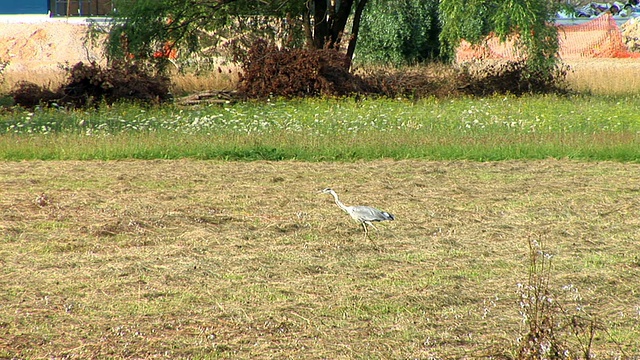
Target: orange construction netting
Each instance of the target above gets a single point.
(599, 38)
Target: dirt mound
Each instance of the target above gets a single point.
(45, 45)
(598, 38)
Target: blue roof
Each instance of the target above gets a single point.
(24, 7)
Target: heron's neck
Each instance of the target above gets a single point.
(338, 202)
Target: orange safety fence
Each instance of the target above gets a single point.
(599, 38)
(168, 51)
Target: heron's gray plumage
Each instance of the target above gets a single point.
(364, 215)
(367, 213)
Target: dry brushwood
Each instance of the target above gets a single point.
(507, 77)
(272, 71)
(89, 85)
(210, 97)
(30, 95)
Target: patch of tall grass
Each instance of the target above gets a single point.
(604, 76)
(494, 128)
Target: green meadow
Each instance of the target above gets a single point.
(494, 128)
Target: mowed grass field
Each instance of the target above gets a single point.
(244, 260)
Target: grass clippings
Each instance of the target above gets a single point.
(207, 259)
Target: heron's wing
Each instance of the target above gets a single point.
(367, 213)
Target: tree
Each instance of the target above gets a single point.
(142, 27)
(399, 32)
(529, 22)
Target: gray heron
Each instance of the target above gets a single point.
(364, 215)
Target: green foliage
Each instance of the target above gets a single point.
(526, 21)
(399, 33)
(143, 27)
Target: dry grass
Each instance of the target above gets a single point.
(605, 76)
(51, 79)
(223, 77)
(189, 83)
(168, 259)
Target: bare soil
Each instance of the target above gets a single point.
(44, 46)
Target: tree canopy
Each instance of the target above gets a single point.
(143, 27)
(529, 22)
(399, 32)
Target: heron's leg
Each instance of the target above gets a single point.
(371, 224)
(366, 234)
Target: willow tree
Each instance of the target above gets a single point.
(142, 27)
(528, 22)
(399, 32)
